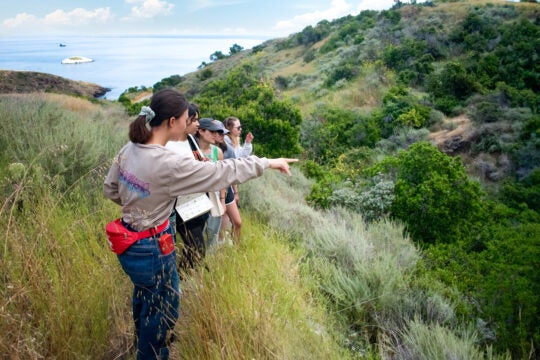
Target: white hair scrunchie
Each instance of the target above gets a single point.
(148, 113)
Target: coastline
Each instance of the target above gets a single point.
(120, 62)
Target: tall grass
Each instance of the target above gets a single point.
(426, 342)
(62, 294)
(371, 275)
(253, 303)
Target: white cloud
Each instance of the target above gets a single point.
(20, 20)
(78, 16)
(338, 8)
(150, 8)
(56, 21)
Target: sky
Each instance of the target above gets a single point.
(243, 18)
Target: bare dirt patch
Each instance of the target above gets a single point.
(458, 127)
(142, 96)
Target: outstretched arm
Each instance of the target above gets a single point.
(281, 164)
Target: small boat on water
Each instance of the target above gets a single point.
(76, 60)
(62, 45)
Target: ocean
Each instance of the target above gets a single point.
(120, 62)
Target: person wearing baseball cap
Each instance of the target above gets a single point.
(207, 136)
(209, 124)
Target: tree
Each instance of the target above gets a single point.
(218, 55)
(434, 196)
(275, 123)
(451, 87)
(235, 49)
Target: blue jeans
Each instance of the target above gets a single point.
(156, 295)
(212, 230)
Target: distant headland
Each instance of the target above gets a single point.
(30, 81)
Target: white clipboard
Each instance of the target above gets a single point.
(191, 206)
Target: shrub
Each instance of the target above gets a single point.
(346, 72)
(258, 48)
(376, 200)
(331, 132)
(235, 49)
(485, 112)
(281, 82)
(331, 44)
(240, 93)
(205, 74)
(309, 35)
(434, 196)
(168, 82)
(320, 194)
(400, 109)
(523, 191)
(309, 56)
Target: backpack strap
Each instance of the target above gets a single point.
(195, 148)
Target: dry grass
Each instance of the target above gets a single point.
(459, 126)
(252, 304)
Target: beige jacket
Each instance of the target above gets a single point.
(146, 179)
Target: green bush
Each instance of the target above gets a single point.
(309, 56)
(485, 112)
(169, 82)
(453, 81)
(331, 132)
(313, 170)
(500, 279)
(235, 49)
(524, 191)
(240, 93)
(345, 71)
(434, 197)
(331, 44)
(281, 82)
(310, 35)
(205, 74)
(400, 109)
(320, 194)
(376, 200)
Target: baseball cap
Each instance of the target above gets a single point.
(221, 127)
(208, 124)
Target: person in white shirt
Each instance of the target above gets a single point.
(233, 140)
(191, 231)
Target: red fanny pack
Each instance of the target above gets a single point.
(120, 238)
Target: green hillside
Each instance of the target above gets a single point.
(465, 71)
(409, 230)
(424, 114)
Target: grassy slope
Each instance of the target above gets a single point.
(63, 294)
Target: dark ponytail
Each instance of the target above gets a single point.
(165, 104)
